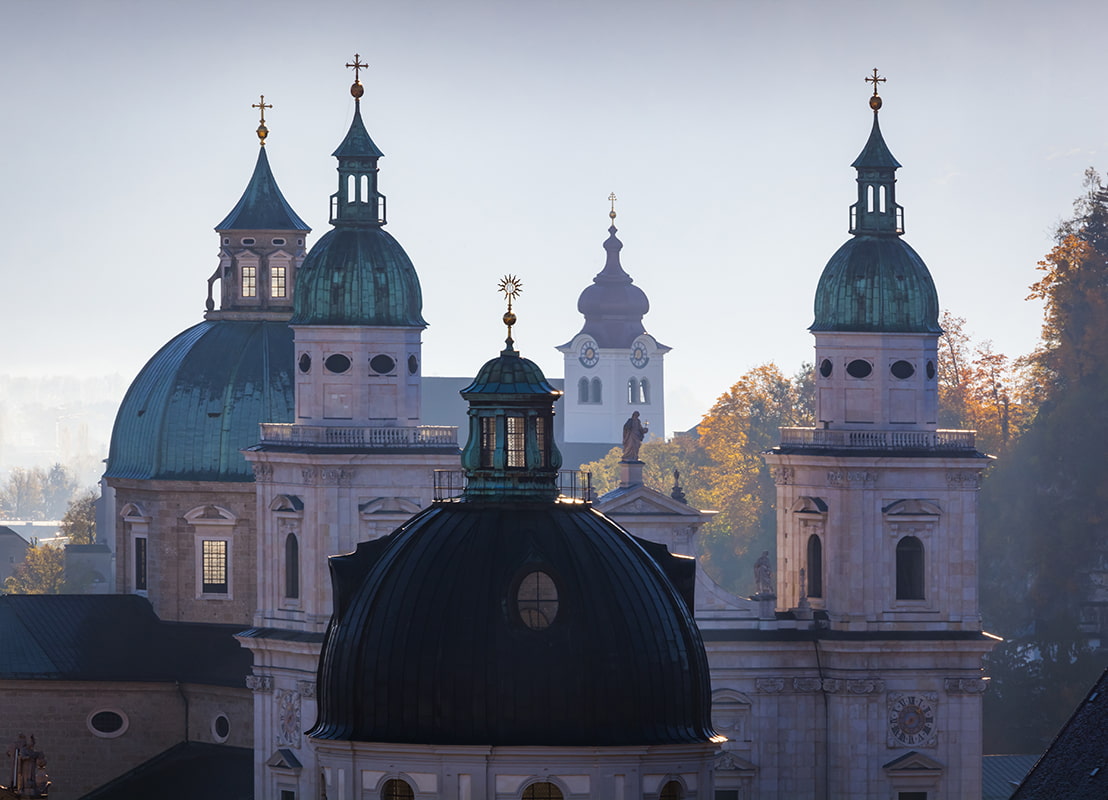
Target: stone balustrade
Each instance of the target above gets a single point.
(942, 440)
(572, 484)
(368, 437)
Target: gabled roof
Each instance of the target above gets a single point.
(186, 771)
(112, 638)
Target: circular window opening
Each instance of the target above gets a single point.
(859, 368)
(107, 723)
(413, 365)
(382, 364)
(825, 368)
(278, 242)
(902, 370)
(337, 363)
(248, 241)
(930, 370)
(221, 728)
(537, 600)
(305, 362)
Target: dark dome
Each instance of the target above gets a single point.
(358, 276)
(510, 373)
(428, 645)
(879, 284)
(199, 400)
(612, 305)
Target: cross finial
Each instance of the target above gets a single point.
(263, 131)
(875, 101)
(356, 89)
(612, 214)
(510, 287)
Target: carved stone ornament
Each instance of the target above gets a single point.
(865, 686)
(310, 476)
(770, 685)
(28, 774)
(728, 762)
(306, 688)
(783, 476)
(336, 477)
(832, 685)
(263, 473)
(807, 684)
(965, 685)
(260, 683)
(640, 506)
(852, 477)
(288, 718)
(963, 479)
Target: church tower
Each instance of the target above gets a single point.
(613, 367)
(352, 465)
(877, 520)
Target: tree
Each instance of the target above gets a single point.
(58, 486)
(23, 492)
(42, 572)
(79, 522)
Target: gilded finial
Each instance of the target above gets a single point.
(612, 214)
(510, 287)
(263, 131)
(356, 89)
(875, 101)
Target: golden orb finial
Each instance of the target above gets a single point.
(510, 286)
(612, 214)
(875, 100)
(263, 131)
(356, 88)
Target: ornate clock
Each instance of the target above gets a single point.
(912, 719)
(639, 357)
(589, 354)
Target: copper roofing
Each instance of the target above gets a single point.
(262, 207)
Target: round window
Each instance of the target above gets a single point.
(278, 242)
(413, 365)
(902, 370)
(305, 362)
(107, 723)
(337, 363)
(221, 728)
(537, 600)
(382, 364)
(930, 370)
(859, 368)
(825, 368)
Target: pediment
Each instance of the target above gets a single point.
(389, 505)
(643, 500)
(809, 505)
(210, 515)
(912, 507)
(134, 512)
(284, 758)
(732, 762)
(287, 502)
(913, 762)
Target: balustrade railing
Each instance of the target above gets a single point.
(572, 484)
(878, 440)
(373, 438)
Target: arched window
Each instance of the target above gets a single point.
(644, 386)
(909, 569)
(596, 391)
(869, 198)
(815, 566)
(351, 188)
(672, 791)
(542, 791)
(634, 396)
(881, 199)
(292, 566)
(396, 789)
(364, 194)
(583, 390)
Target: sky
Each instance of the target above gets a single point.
(726, 130)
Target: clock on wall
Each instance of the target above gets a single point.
(639, 358)
(912, 719)
(589, 353)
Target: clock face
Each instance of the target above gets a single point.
(639, 358)
(590, 354)
(912, 720)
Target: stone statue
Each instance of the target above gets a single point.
(633, 433)
(28, 776)
(763, 574)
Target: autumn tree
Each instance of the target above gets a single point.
(42, 571)
(79, 523)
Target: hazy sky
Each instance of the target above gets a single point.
(727, 130)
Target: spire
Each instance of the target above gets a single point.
(357, 201)
(263, 131)
(876, 212)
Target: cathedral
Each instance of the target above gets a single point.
(341, 600)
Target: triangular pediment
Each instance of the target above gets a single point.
(284, 758)
(287, 502)
(913, 762)
(389, 505)
(643, 500)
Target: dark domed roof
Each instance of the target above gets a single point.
(428, 643)
(358, 276)
(613, 306)
(510, 373)
(262, 207)
(876, 283)
(199, 400)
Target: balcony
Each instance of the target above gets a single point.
(290, 435)
(822, 438)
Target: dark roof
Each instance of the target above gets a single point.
(1000, 775)
(875, 155)
(426, 646)
(357, 143)
(262, 207)
(1075, 766)
(112, 638)
(510, 374)
(185, 772)
(613, 306)
(197, 403)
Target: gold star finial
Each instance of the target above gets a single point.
(612, 214)
(263, 131)
(875, 100)
(510, 286)
(356, 89)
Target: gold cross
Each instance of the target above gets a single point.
(357, 66)
(263, 105)
(875, 80)
(612, 197)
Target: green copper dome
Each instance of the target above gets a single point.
(197, 403)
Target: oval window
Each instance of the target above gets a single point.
(382, 364)
(305, 362)
(825, 368)
(537, 600)
(107, 723)
(278, 242)
(902, 370)
(248, 241)
(413, 365)
(221, 728)
(930, 370)
(859, 368)
(337, 363)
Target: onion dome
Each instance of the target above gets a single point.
(199, 400)
(876, 282)
(613, 306)
(512, 618)
(357, 274)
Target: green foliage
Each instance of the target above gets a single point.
(79, 522)
(42, 572)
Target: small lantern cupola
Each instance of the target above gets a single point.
(876, 211)
(357, 201)
(511, 451)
